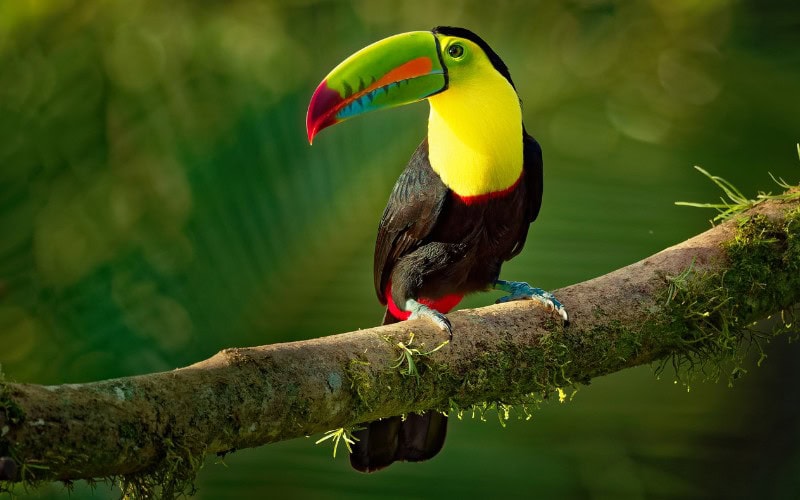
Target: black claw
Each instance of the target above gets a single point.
(449, 326)
(565, 317)
(443, 322)
(422, 311)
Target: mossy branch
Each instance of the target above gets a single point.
(693, 303)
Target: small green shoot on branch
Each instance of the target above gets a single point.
(407, 354)
(340, 434)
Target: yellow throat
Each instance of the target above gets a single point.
(475, 133)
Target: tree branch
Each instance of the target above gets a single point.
(690, 300)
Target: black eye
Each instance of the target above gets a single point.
(455, 51)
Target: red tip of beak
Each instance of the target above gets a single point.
(322, 110)
(311, 131)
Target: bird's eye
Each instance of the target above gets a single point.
(455, 51)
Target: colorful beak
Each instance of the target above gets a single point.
(397, 70)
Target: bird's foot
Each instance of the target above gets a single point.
(418, 310)
(519, 290)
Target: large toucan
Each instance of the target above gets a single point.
(460, 209)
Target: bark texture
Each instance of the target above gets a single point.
(686, 296)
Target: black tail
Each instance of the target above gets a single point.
(382, 442)
(417, 438)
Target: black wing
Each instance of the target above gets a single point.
(411, 213)
(532, 165)
(533, 179)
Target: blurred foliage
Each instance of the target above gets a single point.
(158, 202)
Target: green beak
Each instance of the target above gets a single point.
(397, 70)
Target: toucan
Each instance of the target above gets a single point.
(461, 207)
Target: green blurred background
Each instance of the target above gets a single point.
(159, 202)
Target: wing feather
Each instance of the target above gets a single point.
(533, 183)
(411, 214)
(532, 165)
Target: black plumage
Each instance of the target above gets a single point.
(432, 243)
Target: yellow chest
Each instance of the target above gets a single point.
(475, 137)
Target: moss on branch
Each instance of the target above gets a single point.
(694, 304)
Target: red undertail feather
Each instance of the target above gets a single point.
(443, 304)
